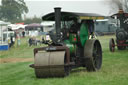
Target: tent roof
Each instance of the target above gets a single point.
(33, 26)
(16, 26)
(117, 14)
(4, 23)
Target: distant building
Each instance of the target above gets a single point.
(34, 29)
(106, 25)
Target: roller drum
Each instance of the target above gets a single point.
(50, 64)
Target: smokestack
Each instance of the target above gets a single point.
(57, 20)
(121, 11)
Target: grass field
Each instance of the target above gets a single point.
(114, 69)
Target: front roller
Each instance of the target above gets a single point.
(50, 63)
(93, 55)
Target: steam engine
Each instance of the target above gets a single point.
(122, 30)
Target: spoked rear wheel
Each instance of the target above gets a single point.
(93, 55)
(112, 45)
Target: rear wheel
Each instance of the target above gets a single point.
(93, 55)
(112, 45)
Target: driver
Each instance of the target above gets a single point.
(75, 26)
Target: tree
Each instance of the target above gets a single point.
(12, 10)
(32, 20)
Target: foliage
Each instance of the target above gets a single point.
(12, 10)
(114, 69)
(32, 20)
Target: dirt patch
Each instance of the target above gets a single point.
(13, 60)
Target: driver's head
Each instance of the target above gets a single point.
(75, 20)
(121, 11)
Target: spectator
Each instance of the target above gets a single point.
(23, 34)
(30, 41)
(11, 41)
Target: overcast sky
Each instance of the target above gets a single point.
(42, 7)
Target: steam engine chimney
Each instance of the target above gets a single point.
(57, 21)
(121, 11)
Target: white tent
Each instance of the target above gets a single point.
(16, 26)
(2, 22)
(3, 43)
(3, 26)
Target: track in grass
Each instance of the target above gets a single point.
(12, 60)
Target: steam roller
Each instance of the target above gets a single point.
(73, 45)
(121, 40)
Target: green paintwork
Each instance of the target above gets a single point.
(72, 37)
(126, 43)
(83, 34)
(72, 47)
(71, 43)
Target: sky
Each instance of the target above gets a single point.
(42, 7)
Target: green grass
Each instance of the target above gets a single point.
(22, 51)
(114, 69)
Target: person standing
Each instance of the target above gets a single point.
(23, 34)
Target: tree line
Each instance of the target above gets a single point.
(14, 10)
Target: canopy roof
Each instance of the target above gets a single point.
(118, 14)
(71, 15)
(4, 23)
